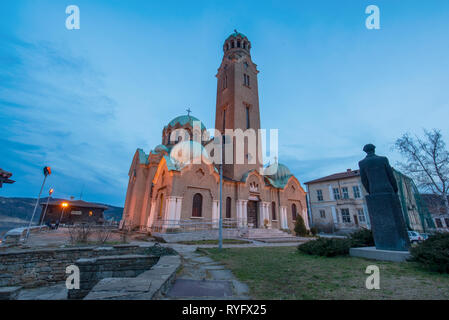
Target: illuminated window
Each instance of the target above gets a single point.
(91, 213)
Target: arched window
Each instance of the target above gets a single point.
(228, 207)
(232, 44)
(197, 205)
(238, 43)
(161, 204)
(244, 44)
(294, 211)
(273, 211)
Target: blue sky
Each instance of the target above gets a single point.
(82, 101)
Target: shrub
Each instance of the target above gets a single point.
(300, 227)
(313, 231)
(362, 238)
(326, 247)
(433, 253)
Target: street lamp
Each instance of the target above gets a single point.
(64, 205)
(50, 192)
(220, 222)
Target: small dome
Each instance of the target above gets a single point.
(160, 148)
(236, 34)
(185, 119)
(186, 152)
(278, 174)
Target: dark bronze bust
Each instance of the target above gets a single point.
(384, 208)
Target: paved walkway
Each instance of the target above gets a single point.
(201, 278)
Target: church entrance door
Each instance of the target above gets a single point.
(252, 214)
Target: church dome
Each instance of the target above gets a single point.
(278, 174)
(185, 119)
(236, 34)
(187, 152)
(160, 148)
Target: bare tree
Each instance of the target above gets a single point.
(427, 161)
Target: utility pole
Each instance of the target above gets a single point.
(220, 223)
(47, 172)
(50, 192)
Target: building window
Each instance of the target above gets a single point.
(356, 191)
(224, 120)
(238, 43)
(232, 44)
(336, 193)
(273, 211)
(345, 192)
(244, 44)
(345, 217)
(225, 82)
(197, 205)
(247, 117)
(246, 79)
(361, 215)
(91, 213)
(294, 212)
(319, 195)
(228, 207)
(438, 223)
(323, 214)
(161, 204)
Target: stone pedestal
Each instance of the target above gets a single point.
(387, 222)
(375, 254)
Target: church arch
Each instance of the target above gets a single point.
(197, 206)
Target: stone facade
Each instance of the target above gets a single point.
(176, 185)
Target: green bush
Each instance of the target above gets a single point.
(300, 227)
(313, 231)
(362, 238)
(327, 247)
(433, 253)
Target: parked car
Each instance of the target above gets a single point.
(424, 236)
(414, 237)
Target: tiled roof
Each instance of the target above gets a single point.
(337, 176)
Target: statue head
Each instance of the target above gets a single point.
(369, 148)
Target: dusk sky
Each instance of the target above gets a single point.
(82, 101)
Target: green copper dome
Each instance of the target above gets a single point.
(278, 174)
(237, 34)
(183, 120)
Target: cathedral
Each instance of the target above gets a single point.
(172, 188)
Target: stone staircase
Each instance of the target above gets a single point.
(269, 235)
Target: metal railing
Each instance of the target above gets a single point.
(177, 226)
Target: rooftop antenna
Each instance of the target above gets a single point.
(81, 194)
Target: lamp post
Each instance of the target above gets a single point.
(50, 192)
(64, 205)
(220, 221)
(47, 172)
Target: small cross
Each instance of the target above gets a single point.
(188, 111)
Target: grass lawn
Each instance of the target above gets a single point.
(284, 273)
(225, 241)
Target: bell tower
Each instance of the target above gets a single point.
(238, 102)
